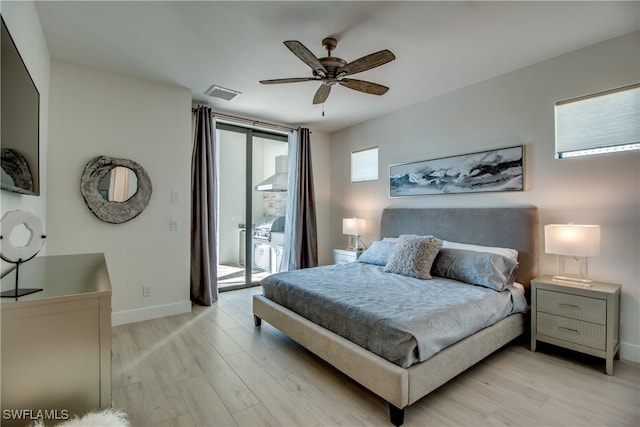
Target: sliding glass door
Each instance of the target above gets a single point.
(251, 205)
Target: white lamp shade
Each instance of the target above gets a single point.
(572, 239)
(353, 226)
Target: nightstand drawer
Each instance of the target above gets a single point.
(575, 331)
(341, 256)
(573, 306)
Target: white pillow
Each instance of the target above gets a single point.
(505, 252)
(519, 287)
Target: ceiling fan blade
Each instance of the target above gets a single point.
(364, 86)
(367, 62)
(306, 56)
(291, 80)
(322, 94)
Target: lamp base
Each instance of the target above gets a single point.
(354, 243)
(582, 277)
(584, 281)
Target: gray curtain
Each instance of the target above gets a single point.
(301, 236)
(204, 257)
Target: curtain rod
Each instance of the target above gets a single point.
(252, 122)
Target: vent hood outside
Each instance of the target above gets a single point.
(277, 182)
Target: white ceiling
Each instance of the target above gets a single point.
(439, 46)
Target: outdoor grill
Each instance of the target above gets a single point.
(267, 225)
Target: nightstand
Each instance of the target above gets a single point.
(341, 256)
(577, 317)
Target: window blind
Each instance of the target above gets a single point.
(603, 122)
(364, 165)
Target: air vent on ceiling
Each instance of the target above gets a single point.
(222, 93)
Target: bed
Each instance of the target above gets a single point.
(403, 382)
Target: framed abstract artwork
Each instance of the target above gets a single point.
(501, 169)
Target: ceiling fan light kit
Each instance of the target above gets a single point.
(332, 70)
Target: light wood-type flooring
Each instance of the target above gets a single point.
(213, 367)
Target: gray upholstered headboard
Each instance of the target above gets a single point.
(514, 227)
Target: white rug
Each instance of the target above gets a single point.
(106, 418)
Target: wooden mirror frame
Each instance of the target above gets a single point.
(114, 212)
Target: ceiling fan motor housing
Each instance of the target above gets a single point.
(332, 65)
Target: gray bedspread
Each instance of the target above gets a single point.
(399, 318)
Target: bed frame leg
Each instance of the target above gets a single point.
(396, 415)
(256, 320)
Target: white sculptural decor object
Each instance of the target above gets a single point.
(20, 254)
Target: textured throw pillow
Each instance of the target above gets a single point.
(378, 253)
(413, 256)
(477, 268)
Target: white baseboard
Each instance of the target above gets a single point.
(630, 352)
(146, 313)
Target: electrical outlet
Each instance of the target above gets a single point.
(146, 290)
(175, 197)
(174, 225)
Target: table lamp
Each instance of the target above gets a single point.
(353, 227)
(572, 240)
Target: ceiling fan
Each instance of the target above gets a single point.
(332, 70)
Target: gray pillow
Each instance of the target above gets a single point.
(477, 268)
(413, 256)
(378, 253)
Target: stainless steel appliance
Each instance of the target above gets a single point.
(267, 234)
(277, 181)
(267, 225)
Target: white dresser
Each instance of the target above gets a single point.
(580, 318)
(56, 343)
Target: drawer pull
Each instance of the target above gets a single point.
(569, 330)
(569, 306)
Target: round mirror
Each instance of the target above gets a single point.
(115, 190)
(119, 185)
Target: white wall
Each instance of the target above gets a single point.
(516, 108)
(94, 112)
(24, 25)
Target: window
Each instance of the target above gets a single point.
(364, 165)
(603, 122)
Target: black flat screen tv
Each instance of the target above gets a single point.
(19, 122)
